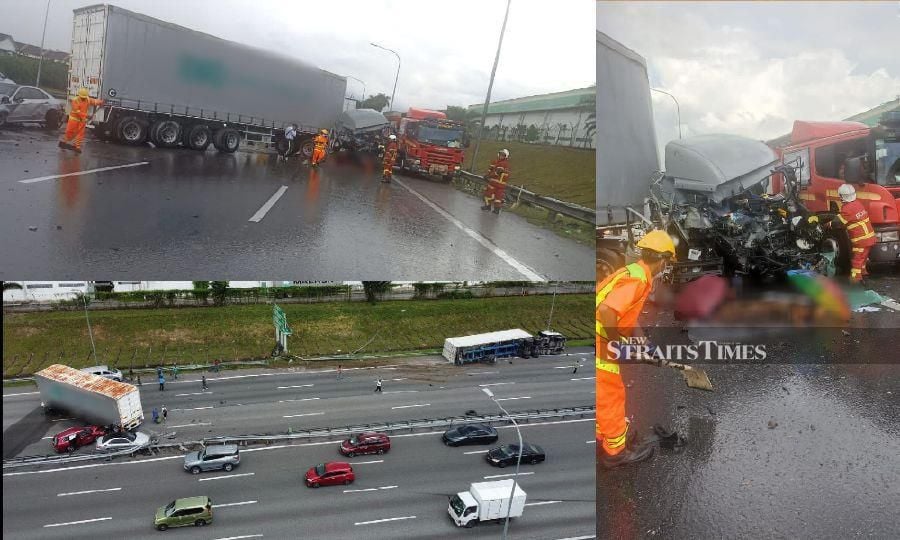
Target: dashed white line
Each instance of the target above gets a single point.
(477, 452)
(238, 503)
(86, 492)
(582, 379)
(589, 537)
(241, 537)
(299, 415)
(368, 489)
(20, 394)
(226, 476)
(194, 394)
(505, 475)
(542, 503)
(401, 392)
(264, 209)
(521, 268)
(367, 462)
(496, 383)
(77, 522)
(192, 425)
(481, 372)
(512, 398)
(303, 399)
(408, 406)
(590, 442)
(294, 386)
(77, 173)
(61, 419)
(383, 520)
(194, 409)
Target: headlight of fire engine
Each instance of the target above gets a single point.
(891, 236)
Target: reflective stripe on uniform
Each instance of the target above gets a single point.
(609, 367)
(858, 250)
(633, 270)
(615, 442)
(863, 237)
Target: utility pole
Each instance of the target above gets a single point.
(677, 107)
(90, 333)
(487, 99)
(37, 82)
(397, 76)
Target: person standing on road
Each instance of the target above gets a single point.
(378, 385)
(175, 372)
(78, 119)
(620, 298)
(321, 143)
(155, 416)
(162, 382)
(139, 380)
(497, 176)
(203, 383)
(576, 366)
(390, 155)
(290, 133)
(340, 374)
(855, 219)
(158, 371)
(165, 413)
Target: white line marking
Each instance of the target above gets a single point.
(240, 503)
(366, 462)
(77, 173)
(227, 476)
(582, 379)
(22, 394)
(194, 394)
(408, 406)
(76, 522)
(542, 503)
(477, 452)
(192, 425)
(306, 414)
(512, 398)
(481, 372)
(386, 519)
(85, 492)
(401, 392)
(61, 419)
(43, 438)
(590, 442)
(504, 475)
(304, 399)
(241, 537)
(401, 379)
(194, 409)
(295, 386)
(496, 383)
(521, 268)
(264, 209)
(590, 537)
(367, 489)
(562, 367)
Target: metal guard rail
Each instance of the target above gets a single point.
(572, 210)
(25, 461)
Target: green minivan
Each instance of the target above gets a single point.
(182, 512)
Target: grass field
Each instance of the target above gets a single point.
(555, 171)
(199, 335)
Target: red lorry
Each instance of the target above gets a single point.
(871, 155)
(430, 143)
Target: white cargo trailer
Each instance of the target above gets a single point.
(90, 397)
(486, 501)
(175, 86)
(484, 347)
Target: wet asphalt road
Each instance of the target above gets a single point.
(806, 446)
(161, 213)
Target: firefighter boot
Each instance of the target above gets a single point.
(497, 208)
(633, 453)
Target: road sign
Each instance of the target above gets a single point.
(280, 321)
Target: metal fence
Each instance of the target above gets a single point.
(515, 193)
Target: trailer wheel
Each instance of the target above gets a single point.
(227, 140)
(165, 133)
(197, 137)
(131, 130)
(608, 261)
(306, 148)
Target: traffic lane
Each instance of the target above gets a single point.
(766, 435)
(273, 476)
(526, 242)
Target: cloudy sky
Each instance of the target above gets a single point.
(447, 49)
(752, 68)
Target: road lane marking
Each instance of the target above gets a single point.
(278, 447)
(496, 383)
(401, 392)
(478, 237)
(505, 475)
(194, 409)
(512, 398)
(294, 386)
(86, 492)
(481, 372)
(239, 503)
(303, 399)
(264, 209)
(21, 394)
(542, 503)
(305, 414)
(582, 379)
(401, 379)
(408, 406)
(477, 452)
(241, 537)
(590, 442)
(77, 173)
(194, 394)
(192, 425)
(366, 462)
(589, 537)
(368, 489)
(61, 419)
(562, 367)
(226, 476)
(77, 522)
(383, 520)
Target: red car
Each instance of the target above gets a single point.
(365, 443)
(330, 474)
(76, 437)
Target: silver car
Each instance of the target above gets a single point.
(104, 371)
(221, 456)
(28, 104)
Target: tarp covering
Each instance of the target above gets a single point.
(362, 120)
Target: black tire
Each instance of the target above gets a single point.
(71, 448)
(315, 484)
(197, 137)
(227, 140)
(195, 470)
(166, 133)
(306, 148)
(502, 464)
(608, 261)
(282, 146)
(52, 120)
(839, 241)
(351, 454)
(228, 467)
(200, 523)
(471, 524)
(162, 527)
(131, 130)
(380, 451)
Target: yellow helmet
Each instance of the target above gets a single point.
(323, 131)
(82, 92)
(658, 241)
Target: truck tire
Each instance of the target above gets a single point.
(197, 137)
(131, 130)
(227, 140)
(166, 133)
(282, 146)
(839, 242)
(608, 261)
(471, 524)
(52, 120)
(306, 148)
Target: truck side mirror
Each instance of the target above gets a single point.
(853, 173)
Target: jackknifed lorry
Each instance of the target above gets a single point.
(90, 397)
(486, 501)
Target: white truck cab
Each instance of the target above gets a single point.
(486, 501)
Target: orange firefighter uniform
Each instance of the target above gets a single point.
(862, 236)
(78, 118)
(495, 191)
(625, 292)
(321, 142)
(387, 163)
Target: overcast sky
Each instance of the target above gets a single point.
(447, 48)
(753, 68)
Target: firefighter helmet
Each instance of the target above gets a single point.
(847, 193)
(504, 153)
(658, 241)
(323, 131)
(82, 92)
(393, 137)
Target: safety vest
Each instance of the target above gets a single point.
(321, 141)
(854, 216)
(79, 112)
(634, 271)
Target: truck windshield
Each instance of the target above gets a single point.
(458, 505)
(887, 162)
(451, 138)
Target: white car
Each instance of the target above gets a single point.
(29, 104)
(122, 440)
(104, 371)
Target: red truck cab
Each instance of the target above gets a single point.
(822, 149)
(430, 144)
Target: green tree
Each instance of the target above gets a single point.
(201, 290)
(455, 113)
(219, 290)
(375, 288)
(532, 134)
(377, 102)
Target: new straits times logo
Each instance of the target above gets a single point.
(640, 349)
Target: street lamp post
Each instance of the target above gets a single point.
(487, 99)
(361, 81)
(397, 76)
(37, 82)
(90, 333)
(677, 107)
(512, 492)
